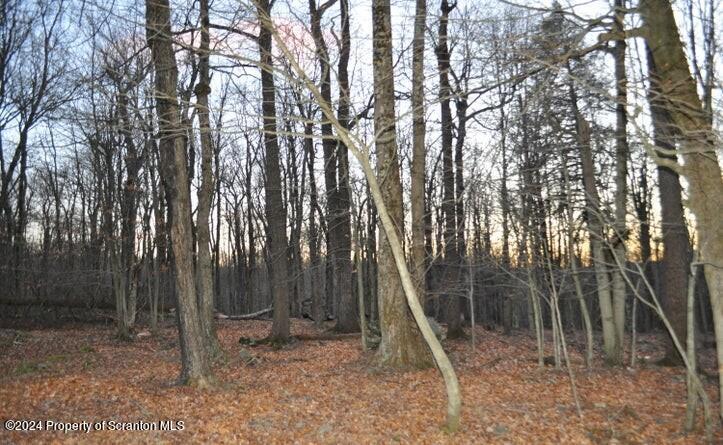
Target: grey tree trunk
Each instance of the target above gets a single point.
(611, 345)
(462, 106)
(505, 204)
(572, 258)
(419, 263)
(129, 209)
(621, 190)
(250, 278)
(451, 253)
(275, 210)
(346, 317)
(195, 369)
(676, 243)
(204, 265)
(317, 302)
(330, 158)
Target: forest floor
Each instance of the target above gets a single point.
(327, 391)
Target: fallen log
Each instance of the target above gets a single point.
(250, 316)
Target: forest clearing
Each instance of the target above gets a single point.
(327, 391)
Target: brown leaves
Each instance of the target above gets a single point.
(319, 391)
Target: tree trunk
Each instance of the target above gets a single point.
(129, 208)
(612, 347)
(451, 253)
(461, 103)
(317, 302)
(572, 259)
(275, 211)
(701, 169)
(402, 345)
(347, 316)
(250, 289)
(195, 368)
(330, 159)
(204, 266)
(371, 260)
(676, 243)
(419, 266)
(621, 190)
(505, 204)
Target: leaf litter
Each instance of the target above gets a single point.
(325, 390)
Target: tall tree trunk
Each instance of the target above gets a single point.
(346, 316)
(251, 269)
(114, 249)
(462, 105)
(621, 190)
(419, 264)
(330, 160)
(204, 265)
(160, 263)
(572, 259)
(402, 344)
(676, 243)
(641, 199)
(275, 211)
(701, 170)
(451, 253)
(195, 369)
(317, 302)
(129, 206)
(217, 246)
(372, 260)
(505, 204)
(595, 224)
(296, 198)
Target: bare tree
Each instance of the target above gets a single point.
(204, 271)
(195, 368)
(275, 211)
(347, 320)
(32, 76)
(698, 148)
(451, 252)
(383, 75)
(621, 176)
(401, 345)
(419, 263)
(677, 249)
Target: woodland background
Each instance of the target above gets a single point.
(546, 171)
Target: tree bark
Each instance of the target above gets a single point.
(317, 302)
(611, 346)
(419, 263)
(204, 266)
(402, 345)
(621, 190)
(676, 243)
(195, 368)
(701, 169)
(505, 205)
(275, 210)
(347, 316)
(251, 269)
(330, 158)
(451, 253)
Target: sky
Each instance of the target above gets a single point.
(291, 15)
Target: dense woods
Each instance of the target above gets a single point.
(421, 175)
